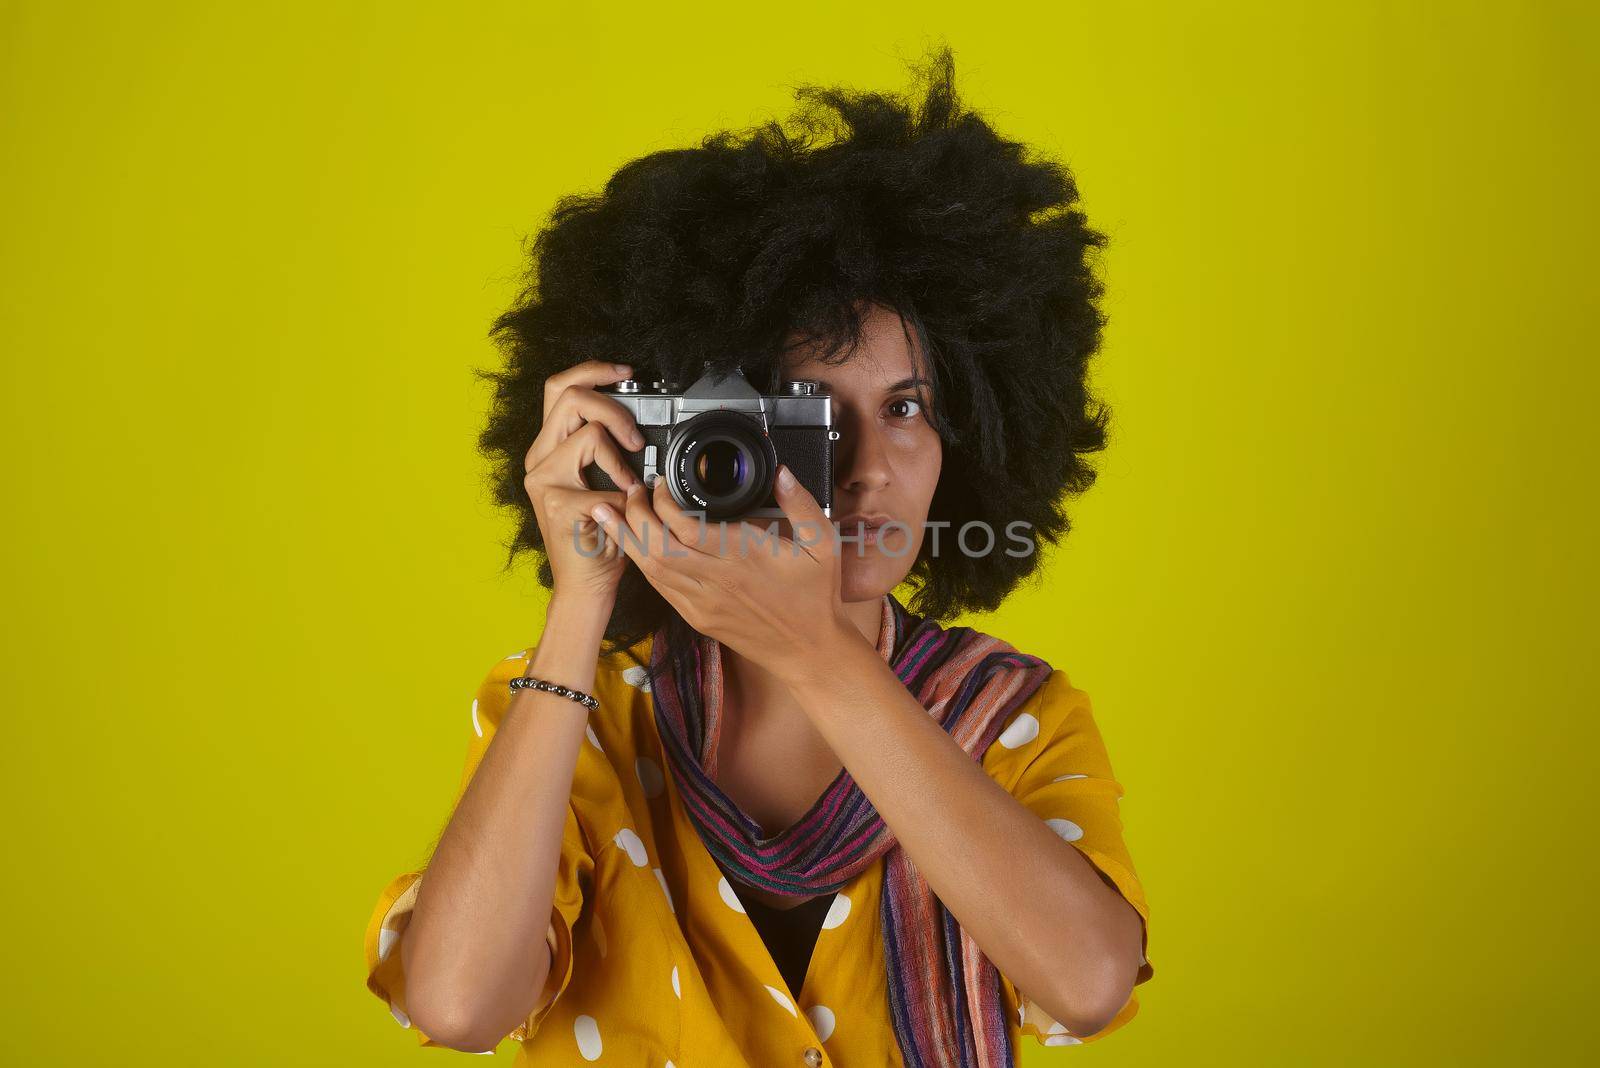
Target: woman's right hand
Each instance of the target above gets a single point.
(580, 427)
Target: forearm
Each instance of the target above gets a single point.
(474, 953)
(1036, 907)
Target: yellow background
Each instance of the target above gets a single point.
(1333, 595)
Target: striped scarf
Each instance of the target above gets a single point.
(944, 994)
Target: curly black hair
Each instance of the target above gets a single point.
(719, 253)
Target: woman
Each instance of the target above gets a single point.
(778, 817)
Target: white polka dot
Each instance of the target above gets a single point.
(676, 989)
(476, 726)
(662, 879)
(386, 941)
(836, 912)
(782, 999)
(637, 677)
(633, 845)
(1062, 778)
(1020, 731)
(1066, 829)
(822, 1021)
(1063, 1040)
(729, 898)
(587, 1032)
(669, 1064)
(1057, 1028)
(394, 1010)
(592, 739)
(650, 776)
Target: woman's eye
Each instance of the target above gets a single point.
(916, 407)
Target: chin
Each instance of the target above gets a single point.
(868, 578)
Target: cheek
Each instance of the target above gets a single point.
(919, 466)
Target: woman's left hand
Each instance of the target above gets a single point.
(771, 599)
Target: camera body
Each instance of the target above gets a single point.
(719, 442)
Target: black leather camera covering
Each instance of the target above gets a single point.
(806, 449)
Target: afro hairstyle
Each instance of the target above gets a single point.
(710, 258)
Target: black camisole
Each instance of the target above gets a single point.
(790, 934)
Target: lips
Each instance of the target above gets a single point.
(864, 530)
(860, 522)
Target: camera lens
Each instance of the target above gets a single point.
(720, 462)
(722, 467)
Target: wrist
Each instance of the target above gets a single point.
(569, 648)
(835, 647)
(586, 614)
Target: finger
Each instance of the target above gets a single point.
(644, 550)
(570, 513)
(642, 520)
(813, 531)
(610, 520)
(579, 404)
(576, 407)
(588, 374)
(690, 528)
(592, 444)
(659, 542)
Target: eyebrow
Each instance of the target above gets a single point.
(906, 383)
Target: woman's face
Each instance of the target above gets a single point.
(887, 458)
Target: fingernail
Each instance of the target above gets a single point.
(637, 439)
(601, 512)
(622, 368)
(785, 477)
(633, 487)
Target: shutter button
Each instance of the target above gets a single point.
(813, 1056)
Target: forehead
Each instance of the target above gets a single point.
(888, 352)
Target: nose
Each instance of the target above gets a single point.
(860, 461)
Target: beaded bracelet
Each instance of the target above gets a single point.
(527, 682)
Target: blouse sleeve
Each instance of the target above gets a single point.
(574, 872)
(1067, 781)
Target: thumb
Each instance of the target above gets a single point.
(811, 526)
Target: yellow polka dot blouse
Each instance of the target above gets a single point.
(656, 964)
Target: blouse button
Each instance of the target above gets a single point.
(813, 1056)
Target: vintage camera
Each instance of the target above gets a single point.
(719, 442)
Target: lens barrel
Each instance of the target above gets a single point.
(721, 462)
